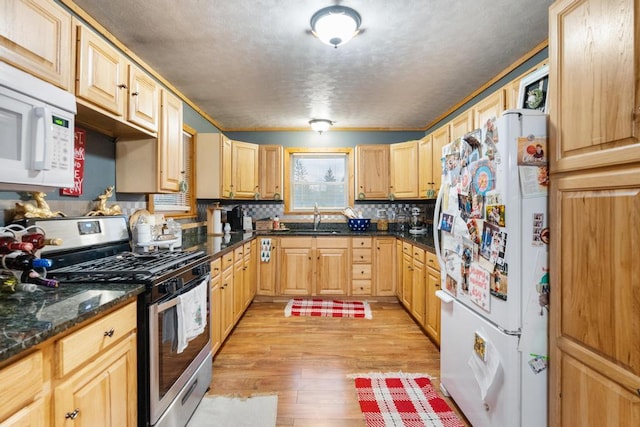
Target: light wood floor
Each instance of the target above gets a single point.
(306, 360)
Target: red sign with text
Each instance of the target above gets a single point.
(80, 140)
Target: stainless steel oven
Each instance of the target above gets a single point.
(174, 365)
(179, 365)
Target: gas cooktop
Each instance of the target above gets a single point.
(148, 268)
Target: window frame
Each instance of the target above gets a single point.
(191, 181)
(288, 155)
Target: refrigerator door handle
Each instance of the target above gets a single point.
(445, 297)
(436, 235)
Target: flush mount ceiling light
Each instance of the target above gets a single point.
(320, 125)
(335, 25)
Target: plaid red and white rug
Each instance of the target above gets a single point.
(402, 400)
(327, 308)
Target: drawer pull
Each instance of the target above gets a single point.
(122, 86)
(109, 333)
(72, 415)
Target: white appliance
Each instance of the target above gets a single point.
(491, 240)
(37, 128)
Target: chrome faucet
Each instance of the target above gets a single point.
(316, 217)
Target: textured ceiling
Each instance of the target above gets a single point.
(252, 64)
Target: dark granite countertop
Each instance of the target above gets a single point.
(30, 318)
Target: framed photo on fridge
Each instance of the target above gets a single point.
(534, 90)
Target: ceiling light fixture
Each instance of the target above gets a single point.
(335, 25)
(320, 125)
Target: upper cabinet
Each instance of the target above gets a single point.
(270, 168)
(35, 35)
(244, 170)
(101, 73)
(427, 188)
(143, 99)
(461, 125)
(404, 170)
(440, 137)
(153, 165)
(114, 95)
(170, 147)
(372, 171)
(490, 107)
(594, 57)
(208, 165)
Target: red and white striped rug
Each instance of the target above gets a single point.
(402, 400)
(327, 308)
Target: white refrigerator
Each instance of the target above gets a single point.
(491, 240)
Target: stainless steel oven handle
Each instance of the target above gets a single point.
(166, 305)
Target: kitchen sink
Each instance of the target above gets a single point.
(314, 232)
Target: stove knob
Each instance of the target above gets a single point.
(199, 270)
(177, 283)
(163, 288)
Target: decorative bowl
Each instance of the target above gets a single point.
(359, 224)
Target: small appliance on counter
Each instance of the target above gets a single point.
(417, 223)
(235, 218)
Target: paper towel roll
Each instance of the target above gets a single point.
(144, 233)
(214, 220)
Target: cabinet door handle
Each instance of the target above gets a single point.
(109, 333)
(135, 94)
(122, 86)
(72, 415)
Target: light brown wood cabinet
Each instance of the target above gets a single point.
(227, 175)
(114, 96)
(461, 125)
(153, 165)
(427, 189)
(596, 113)
(270, 169)
(372, 171)
(216, 305)
(296, 261)
(45, 53)
(361, 271)
(404, 170)
(143, 99)
(384, 266)
(490, 107)
(267, 275)
(208, 165)
(594, 193)
(432, 317)
(244, 170)
(238, 283)
(228, 299)
(84, 372)
(440, 137)
(314, 265)
(419, 285)
(101, 73)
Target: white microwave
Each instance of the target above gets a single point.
(36, 133)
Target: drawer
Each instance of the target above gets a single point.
(88, 342)
(247, 248)
(216, 267)
(361, 242)
(418, 254)
(21, 382)
(238, 253)
(407, 248)
(432, 261)
(361, 256)
(361, 271)
(227, 260)
(332, 242)
(361, 287)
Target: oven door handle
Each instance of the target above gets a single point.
(166, 305)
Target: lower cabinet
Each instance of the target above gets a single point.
(314, 265)
(267, 266)
(384, 266)
(103, 393)
(216, 305)
(83, 378)
(227, 289)
(432, 319)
